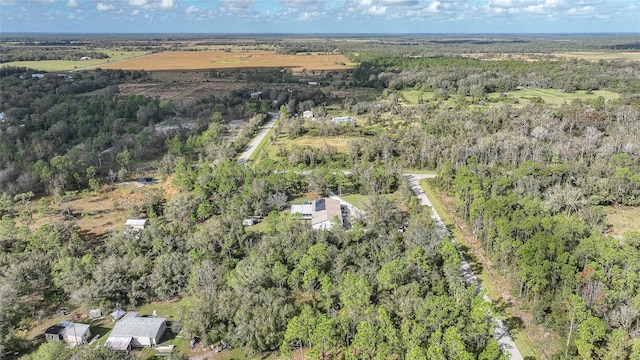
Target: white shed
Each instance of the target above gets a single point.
(76, 333)
(136, 224)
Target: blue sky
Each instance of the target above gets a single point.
(319, 16)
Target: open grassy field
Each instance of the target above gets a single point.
(601, 55)
(216, 59)
(549, 96)
(341, 143)
(622, 219)
(556, 97)
(68, 65)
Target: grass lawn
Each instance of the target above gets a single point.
(411, 96)
(357, 200)
(362, 201)
(67, 65)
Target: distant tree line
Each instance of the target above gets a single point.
(10, 54)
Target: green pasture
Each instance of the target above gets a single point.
(68, 65)
(410, 97)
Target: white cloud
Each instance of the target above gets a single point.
(237, 6)
(72, 3)
(137, 2)
(584, 10)
(104, 7)
(192, 9)
(432, 8)
(501, 3)
(375, 10)
(303, 4)
(167, 4)
(135, 12)
(401, 2)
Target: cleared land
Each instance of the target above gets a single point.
(341, 143)
(603, 55)
(558, 97)
(549, 96)
(215, 59)
(622, 219)
(68, 65)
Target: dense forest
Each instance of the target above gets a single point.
(531, 179)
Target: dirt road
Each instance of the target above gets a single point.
(500, 332)
(256, 141)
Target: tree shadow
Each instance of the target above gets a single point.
(514, 324)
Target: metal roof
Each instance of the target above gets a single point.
(77, 327)
(136, 222)
(137, 327)
(118, 343)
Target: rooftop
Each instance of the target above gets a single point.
(75, 329)
(137, 326)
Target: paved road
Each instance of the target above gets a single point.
(256, 141)
(500, 332)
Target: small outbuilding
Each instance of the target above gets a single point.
(69, 332)
(118, 314)
(249, 222)
(95, 313)
(54, 333)
(342, 119)
(136, 224)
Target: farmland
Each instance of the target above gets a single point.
(115, 55)
(216, 59)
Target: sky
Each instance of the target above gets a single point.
(320, 16)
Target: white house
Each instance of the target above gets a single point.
(85, 58)
(320, 212)
(307, 114)
(135, 332)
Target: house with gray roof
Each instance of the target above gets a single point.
(135, 332)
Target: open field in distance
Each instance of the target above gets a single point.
(215, 59)
(601, 55)
(68, 65)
